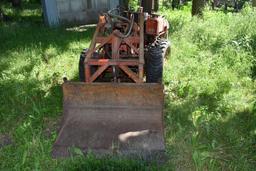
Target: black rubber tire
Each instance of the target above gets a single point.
(154, 57)
(81, 66)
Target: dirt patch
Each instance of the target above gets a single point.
(5, 140)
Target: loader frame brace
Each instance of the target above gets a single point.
(135, 43)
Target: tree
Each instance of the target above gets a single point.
(3, 17)
(150, 5)
(16, 3)
(254, 3)
(124, 3)
(197, 7)
(175, 4)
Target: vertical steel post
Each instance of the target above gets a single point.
(141, 55)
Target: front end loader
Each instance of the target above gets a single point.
(117, 107)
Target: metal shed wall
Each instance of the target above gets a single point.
(75, 11)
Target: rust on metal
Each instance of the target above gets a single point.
(133, 45)
(110, 118)
(141, 56)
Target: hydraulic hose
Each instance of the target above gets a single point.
(131, 22)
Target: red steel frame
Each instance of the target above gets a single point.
(135, 42)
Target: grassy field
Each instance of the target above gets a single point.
(210, 110)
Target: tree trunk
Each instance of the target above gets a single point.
(150, 5)
(254, 3)
(16, 3)
(197, 7)
(175, 4)
(3, 17)
(124, 3)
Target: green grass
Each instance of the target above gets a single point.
(210, 111)
(210, 79)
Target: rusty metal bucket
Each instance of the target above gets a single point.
(106, 118)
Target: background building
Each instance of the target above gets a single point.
(73, 12)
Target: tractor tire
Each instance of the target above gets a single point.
(81, 66)
(154, 57)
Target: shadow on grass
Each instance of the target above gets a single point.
(27, 31)
(202, 132)
(92, 163)
(38, 39)
(25, 100)
(26, 36)
(253, 45)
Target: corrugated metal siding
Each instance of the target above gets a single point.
(50, 12)
(76, 11)
(114, 3)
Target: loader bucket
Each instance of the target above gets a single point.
(109, 119)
